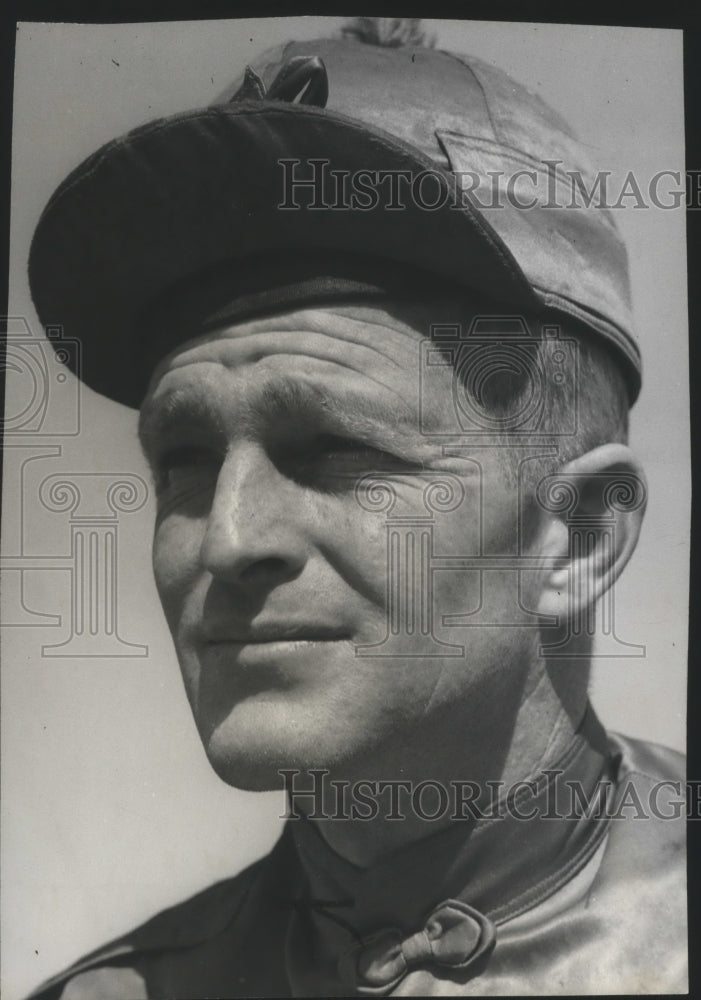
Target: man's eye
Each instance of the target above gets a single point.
(339, 460)
(332, 451)
(186, 467)
(330, 447)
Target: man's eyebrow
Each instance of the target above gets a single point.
(358, 413)
(387, 424)
(282, 401)
(183, 406)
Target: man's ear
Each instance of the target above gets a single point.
(592, 511)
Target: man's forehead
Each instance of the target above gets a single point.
(345, 346)
(391, 330)
(361, 360)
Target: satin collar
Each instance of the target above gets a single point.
(491, 868)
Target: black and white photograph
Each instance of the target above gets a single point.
(346, 510)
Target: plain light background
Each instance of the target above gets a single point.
(109, 809)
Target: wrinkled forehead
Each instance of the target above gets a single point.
(359, 363)
(367, 338)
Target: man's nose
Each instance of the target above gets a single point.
(254, 532)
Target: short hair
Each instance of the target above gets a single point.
(579, 412)
(595, 391)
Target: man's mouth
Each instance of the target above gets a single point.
(271, 645)
(283, 635)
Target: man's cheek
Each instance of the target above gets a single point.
(176, 561)
(457, 594)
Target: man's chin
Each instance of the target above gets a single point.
(248, 775)
(249, 745)
(253, 762)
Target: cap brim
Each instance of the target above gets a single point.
(183, 194)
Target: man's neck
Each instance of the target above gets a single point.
(544, 727)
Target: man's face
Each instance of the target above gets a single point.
(272, 570)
